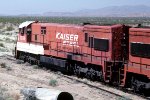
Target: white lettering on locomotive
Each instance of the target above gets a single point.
(68, 39)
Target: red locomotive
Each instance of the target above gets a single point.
(115, 54)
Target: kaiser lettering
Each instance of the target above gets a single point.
(68, 39)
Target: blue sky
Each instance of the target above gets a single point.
(14, 7)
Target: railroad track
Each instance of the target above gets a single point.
(120, 97)
(103, 91)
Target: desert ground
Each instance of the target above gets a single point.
(16, 75)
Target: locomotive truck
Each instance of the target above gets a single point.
(115, 54)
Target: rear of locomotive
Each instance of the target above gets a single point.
(138, 67)
(114, 67)
(107, 48)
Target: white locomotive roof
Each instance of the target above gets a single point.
(25, 24)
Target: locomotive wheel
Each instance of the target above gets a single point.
(38, 62)
(101, 78)
(67, 69)
(88, 75)
(91, 74)
(24, 59)
(134, 85)
(137, 85)
(76, 71)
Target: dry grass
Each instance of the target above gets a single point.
(53, 82)
(3, 65)
(4, 95)
(9, 28)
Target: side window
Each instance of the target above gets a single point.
(86, 37)
(25, 30)
(91, 42)
(43, 30)
(101, 44)
(22, 31)
(29, 31)
(140, 50)
(135, 49)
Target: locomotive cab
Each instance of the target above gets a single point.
(24, 43)
(25, 31)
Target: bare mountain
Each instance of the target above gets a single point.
(113, 11)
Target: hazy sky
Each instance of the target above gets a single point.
(14, 7)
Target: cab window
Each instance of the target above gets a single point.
(21, 31)
(29, 31)
(43, 30)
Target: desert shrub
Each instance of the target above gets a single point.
(4, 95)
(13, 52)
(8, 68)
(10, 28)
(8, 34)
(1, 26)
(2, 49)
(123, 98)
(1, 39)
(53, 82)
(20, 62)
(3, 65)
(13, 41)
(9, 40)
(2, 45)
(27, 64)
(35, 66)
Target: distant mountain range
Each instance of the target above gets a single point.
(113, 11)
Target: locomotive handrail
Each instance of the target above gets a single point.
(140, 65)
(72, 45)
(79, 53)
